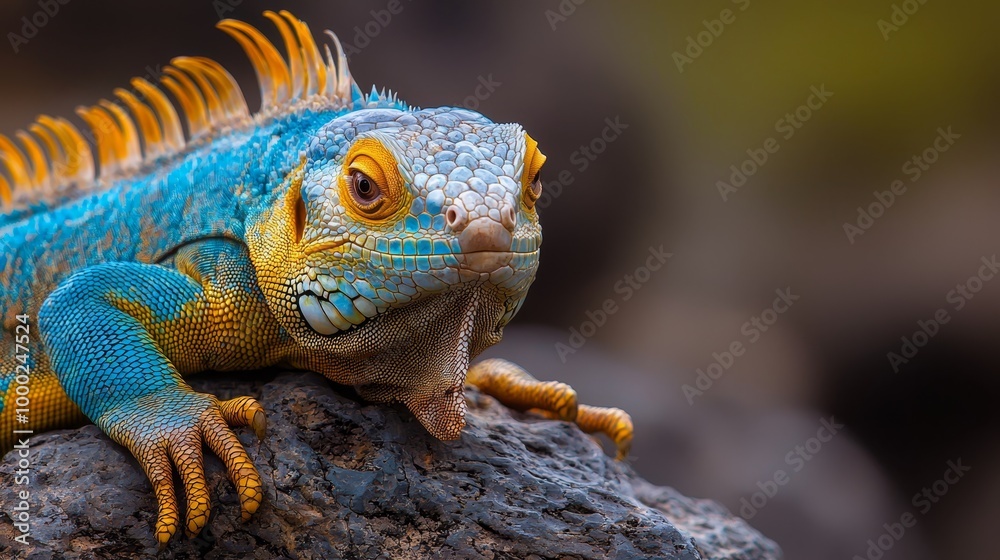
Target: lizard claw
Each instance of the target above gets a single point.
(241, 411)
(245, 411)
(516, 388)
(156, 463)
(188, 458)
(613, 422)
(172, 437)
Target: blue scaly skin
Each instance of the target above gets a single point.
(381, 245)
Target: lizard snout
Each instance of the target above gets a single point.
(485, 245)
(458, 219)
(484, 234)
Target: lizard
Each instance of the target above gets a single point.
(382, 245)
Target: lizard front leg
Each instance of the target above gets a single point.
(119, 335)
(514, 387)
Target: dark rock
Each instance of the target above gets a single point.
(346, 480)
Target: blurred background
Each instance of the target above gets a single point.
(818, 351)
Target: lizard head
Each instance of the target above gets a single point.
(404, 244)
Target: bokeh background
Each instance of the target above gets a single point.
(566, 69)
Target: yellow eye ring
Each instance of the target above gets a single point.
(371, 187)
(531, 179)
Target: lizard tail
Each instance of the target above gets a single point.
(53, 160)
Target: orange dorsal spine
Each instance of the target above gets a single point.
(53, 158)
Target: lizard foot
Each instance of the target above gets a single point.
(174, 424)
(516, 388)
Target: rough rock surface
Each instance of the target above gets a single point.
(349, 480)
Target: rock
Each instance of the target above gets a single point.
(349, 480)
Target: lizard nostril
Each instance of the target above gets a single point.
(456, 218)
(508, 218)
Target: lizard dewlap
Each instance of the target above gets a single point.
(382, 245)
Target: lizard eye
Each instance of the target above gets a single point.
(534, 191)
(371, 186)
(364, 189)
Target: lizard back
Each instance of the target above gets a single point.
(133, 187)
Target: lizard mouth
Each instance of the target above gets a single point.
(484, 261)
(332, 307)
(334, 313)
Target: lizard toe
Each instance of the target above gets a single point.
(186, 453)
(613, 422)
(156, 464)
(516, 388)
(173, 439)
(245, 411)
(224, 443)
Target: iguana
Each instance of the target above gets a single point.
(379, 244)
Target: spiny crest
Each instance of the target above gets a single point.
(54, 159)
